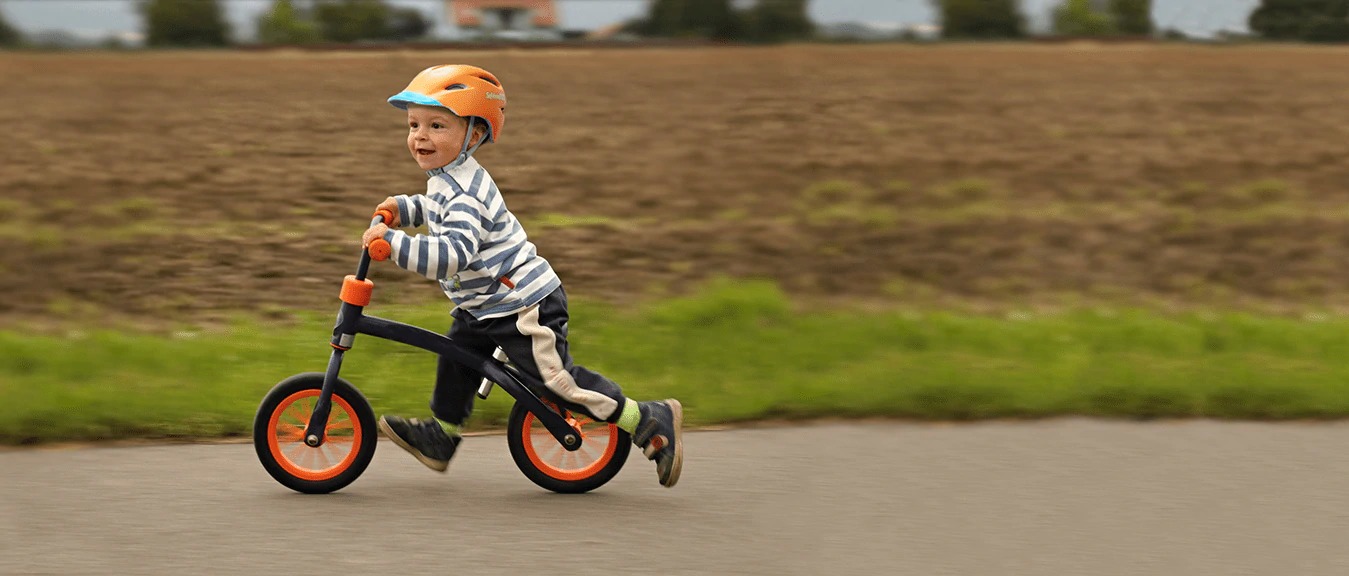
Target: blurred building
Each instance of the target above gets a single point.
(512, 19)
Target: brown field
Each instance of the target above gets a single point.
(190, 186)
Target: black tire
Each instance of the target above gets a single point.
(524, 433)
(292, 401)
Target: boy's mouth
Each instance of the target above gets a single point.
(425, 152)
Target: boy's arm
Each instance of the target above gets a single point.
(441, 256)
(411, 209)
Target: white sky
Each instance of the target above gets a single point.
(101, 18)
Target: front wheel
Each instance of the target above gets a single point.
(604, 450)
(278, 430)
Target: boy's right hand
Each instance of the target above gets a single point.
(392, 206)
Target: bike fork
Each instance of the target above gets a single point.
(318, 421)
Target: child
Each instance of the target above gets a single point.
(506, 295)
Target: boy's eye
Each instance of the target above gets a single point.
(436, 125)
(412, 125)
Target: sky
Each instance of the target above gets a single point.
(96, 19)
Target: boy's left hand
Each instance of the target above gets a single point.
(376, 231)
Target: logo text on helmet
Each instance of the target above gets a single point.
(496, 96)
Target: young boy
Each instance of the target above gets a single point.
(506, 295)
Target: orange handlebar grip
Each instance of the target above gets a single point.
(380, 249)
(388, 217)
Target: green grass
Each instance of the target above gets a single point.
(736, 352)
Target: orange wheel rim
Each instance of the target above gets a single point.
(286, 431)
(552, 459)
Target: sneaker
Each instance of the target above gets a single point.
(658, 436)
(424, 439)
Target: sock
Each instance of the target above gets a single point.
(451, 429)
(627, 421)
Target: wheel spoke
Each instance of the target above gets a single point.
(300, 456)
(324, 457)
(296, 453)
(341, 438)
(555, 454)
(572, 463)
(288, 432)
(340, 452)
(303, 460)
(317, 458)
(293, 414)
(300, 411)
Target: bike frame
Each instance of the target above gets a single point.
(351, 320)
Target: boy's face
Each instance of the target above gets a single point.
(435, 135)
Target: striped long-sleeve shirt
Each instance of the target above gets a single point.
(474, 247)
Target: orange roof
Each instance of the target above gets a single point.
(466, 11)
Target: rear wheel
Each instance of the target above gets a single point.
(278, 430)
(604, 450)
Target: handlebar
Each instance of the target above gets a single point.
(379, 248)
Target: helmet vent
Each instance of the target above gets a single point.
(489, 81)
(456, 87)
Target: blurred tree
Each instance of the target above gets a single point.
(1174, 34)
(1326, 28)
(778, 20)
(664, 17)
(184, 23)
(694, 18)
(981, 19)
(9, 35)
(763, 21)
(1077, 18)
(352, 20)
(284, 25)
(408, 24)
(1132, 17)
(1311, 20)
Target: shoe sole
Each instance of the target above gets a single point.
(677, 463)
(432, 463)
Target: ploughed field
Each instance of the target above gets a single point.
(190, 186)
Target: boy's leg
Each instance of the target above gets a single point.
(434, 441)
(456, 384)
(536, 342)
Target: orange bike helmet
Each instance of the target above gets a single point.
(467, 91)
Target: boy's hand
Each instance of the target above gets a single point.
(376, 231)
(392, 206)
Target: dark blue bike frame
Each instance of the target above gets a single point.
(351, 320)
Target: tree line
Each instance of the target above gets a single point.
(203, 23)
(1295, 20)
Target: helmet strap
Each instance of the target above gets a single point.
(465, 151)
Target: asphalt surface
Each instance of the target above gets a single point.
(1054, 497)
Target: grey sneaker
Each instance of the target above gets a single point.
(658, 434)
(424, 439)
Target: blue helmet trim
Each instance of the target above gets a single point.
(402, 99)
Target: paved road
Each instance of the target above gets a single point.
(1056, 498)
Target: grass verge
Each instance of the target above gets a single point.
(736, 352)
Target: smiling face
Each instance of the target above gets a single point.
(436, 135)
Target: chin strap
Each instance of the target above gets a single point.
(465, 151)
